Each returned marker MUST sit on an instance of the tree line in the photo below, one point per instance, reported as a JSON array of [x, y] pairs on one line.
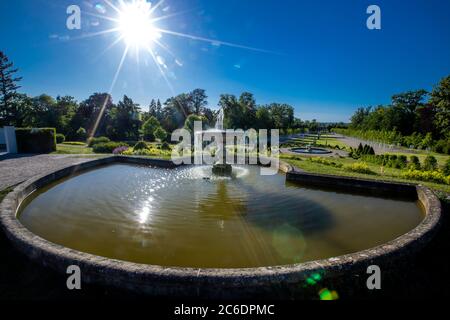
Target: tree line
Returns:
[[125, 120], [418, 119]]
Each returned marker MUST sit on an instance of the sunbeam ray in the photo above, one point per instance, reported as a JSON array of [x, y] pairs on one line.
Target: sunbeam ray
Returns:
[[212, 41]]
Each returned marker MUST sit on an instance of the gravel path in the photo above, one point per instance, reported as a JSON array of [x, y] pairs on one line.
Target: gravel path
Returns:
[[18, 168]]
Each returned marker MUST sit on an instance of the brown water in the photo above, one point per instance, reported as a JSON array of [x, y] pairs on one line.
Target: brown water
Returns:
[[176, 217]]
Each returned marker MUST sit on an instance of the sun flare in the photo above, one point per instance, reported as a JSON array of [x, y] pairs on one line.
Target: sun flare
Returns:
[[135, 24]]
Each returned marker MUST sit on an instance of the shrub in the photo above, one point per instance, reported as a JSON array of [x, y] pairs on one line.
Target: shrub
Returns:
[[106, 147], [42, 140], [149, 127], [60, 138], [160, 134], [326, 162], [359, 167], [430, 176], [414, 163], [120, 150], [141, 145], [442, 146], [93, 141], [446, 168], [165, 146], [430, 163], [81, 134]]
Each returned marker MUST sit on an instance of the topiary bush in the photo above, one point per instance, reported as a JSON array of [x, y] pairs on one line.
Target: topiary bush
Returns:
[[36, 140], [60, 138], [430, 163], [160, 134], [141, 145], [106, 147], [165, 146], [81, 134], [93, 141], [414, 163]]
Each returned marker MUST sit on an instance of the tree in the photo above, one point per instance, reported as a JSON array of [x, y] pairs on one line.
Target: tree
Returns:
[[8, 89], [125, 121], [359, 117], [93, 114], [160, 134], [440, 99], [199, 101], [189, 123], [149, 127]]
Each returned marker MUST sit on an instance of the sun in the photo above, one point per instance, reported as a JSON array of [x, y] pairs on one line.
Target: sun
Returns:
[[135, 24]]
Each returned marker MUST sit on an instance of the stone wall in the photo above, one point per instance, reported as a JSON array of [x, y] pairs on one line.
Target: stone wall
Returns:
[[277, 281]]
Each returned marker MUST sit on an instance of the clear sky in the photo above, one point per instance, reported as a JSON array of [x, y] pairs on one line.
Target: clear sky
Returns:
[[319, 55]]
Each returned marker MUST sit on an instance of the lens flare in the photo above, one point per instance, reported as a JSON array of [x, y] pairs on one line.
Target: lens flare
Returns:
[[135, 24]]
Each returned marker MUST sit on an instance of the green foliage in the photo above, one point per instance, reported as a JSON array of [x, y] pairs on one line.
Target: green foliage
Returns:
[[93, 141], [141, 145], [8, 88], [430, 163], [440, 99], [160, 134], [414, 163], [149, 127], [165, 146], [446, 169], [430, 176], [190, 122], [41, 140], [60, 138], [106, 147], [81, 134], [359, 167], [326, 162], [361, 151], [442, 146]]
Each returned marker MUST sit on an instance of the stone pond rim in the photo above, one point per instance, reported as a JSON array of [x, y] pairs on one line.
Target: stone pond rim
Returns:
[[217, 283]]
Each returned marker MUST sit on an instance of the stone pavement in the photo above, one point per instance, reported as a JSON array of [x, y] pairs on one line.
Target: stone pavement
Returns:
[[15, 169]]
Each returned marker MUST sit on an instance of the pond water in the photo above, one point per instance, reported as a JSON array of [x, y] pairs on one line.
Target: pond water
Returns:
[[183, 217]]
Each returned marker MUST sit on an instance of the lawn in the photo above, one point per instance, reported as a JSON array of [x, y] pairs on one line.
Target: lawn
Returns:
[[72, 149], [389, 174]]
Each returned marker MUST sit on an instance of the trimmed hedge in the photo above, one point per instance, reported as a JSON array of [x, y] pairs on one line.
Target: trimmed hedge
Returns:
[[36, 140], [94, 141], [60, 138], [106, 147]]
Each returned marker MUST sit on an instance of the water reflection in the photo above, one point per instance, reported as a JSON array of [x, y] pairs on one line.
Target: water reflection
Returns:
[[185, 217]]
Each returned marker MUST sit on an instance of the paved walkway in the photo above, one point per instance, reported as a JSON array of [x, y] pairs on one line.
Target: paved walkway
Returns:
[[18, 168]]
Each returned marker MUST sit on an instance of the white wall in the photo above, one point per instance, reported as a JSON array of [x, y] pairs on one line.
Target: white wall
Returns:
[[2, 136], [9, 135]]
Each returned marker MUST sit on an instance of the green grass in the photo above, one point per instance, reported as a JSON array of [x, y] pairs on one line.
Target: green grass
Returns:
[[441, 158], [72, 149], [389, 174]]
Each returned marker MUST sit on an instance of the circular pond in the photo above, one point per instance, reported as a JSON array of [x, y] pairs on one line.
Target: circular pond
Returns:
[[311, 150], [184, 217]]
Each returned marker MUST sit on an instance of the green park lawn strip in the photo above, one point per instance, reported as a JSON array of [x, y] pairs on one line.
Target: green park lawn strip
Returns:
[[389, 174], [72, 149]]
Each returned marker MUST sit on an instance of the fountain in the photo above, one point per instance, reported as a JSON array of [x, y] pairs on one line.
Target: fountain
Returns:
[[221, 167]]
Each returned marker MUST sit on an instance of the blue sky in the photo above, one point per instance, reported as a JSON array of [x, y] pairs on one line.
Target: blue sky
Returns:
[[322, 60]]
